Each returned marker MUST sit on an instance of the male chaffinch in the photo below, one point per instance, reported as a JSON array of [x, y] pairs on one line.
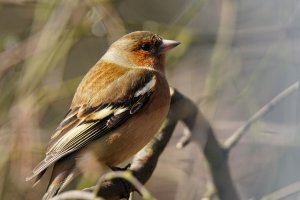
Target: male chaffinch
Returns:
[[118, 107]]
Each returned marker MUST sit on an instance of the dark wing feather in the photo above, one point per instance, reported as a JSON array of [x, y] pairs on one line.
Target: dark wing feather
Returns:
[[86, 124]]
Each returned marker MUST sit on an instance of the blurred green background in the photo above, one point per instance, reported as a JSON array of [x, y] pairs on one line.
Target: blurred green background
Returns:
[[235, 56]]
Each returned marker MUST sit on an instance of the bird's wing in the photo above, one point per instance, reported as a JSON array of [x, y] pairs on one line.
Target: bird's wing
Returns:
[[85, 123]]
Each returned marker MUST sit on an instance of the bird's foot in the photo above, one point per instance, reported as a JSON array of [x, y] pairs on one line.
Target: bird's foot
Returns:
[[113, 168]]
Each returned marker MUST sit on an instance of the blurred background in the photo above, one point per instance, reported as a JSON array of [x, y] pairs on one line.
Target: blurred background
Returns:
[[235, 56]]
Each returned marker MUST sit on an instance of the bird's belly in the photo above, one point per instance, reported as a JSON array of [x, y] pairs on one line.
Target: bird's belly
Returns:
[[128, 139]]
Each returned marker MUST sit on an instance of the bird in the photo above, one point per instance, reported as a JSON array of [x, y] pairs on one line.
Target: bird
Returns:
[[117, 108]]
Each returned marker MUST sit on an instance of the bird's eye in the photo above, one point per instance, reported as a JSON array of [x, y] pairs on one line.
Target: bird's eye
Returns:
[[146, 47]]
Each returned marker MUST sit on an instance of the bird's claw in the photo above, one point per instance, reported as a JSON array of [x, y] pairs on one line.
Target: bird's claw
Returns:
[[113, 168]]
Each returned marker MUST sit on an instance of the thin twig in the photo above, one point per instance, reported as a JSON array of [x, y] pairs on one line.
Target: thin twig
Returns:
[[284, 192], [236, 136], [204, 136], [210, 192], [185, 138]]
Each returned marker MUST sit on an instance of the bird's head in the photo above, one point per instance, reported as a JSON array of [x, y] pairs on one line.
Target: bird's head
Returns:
[[140, 49]]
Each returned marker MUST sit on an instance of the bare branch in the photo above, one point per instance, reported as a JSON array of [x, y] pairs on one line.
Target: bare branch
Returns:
[[236, 136], [284, 192], [185, 138], [216, 156]]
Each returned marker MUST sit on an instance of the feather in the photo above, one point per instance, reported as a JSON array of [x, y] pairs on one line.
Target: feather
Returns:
[[84, 124]]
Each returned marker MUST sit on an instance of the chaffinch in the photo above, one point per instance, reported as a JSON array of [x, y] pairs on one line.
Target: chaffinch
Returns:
[[118, 107]]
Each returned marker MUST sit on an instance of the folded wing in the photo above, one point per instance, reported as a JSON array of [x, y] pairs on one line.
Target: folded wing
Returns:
[[84, 124]]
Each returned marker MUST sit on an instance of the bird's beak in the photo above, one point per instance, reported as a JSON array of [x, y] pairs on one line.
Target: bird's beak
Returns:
[[167, 45]]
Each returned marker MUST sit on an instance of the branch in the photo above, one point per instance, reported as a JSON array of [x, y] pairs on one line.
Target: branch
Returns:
[[203, 134], [236, 136], [284, 192]]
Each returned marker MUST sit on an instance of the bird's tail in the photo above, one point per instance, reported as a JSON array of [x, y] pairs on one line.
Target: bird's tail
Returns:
[[62, 174]]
